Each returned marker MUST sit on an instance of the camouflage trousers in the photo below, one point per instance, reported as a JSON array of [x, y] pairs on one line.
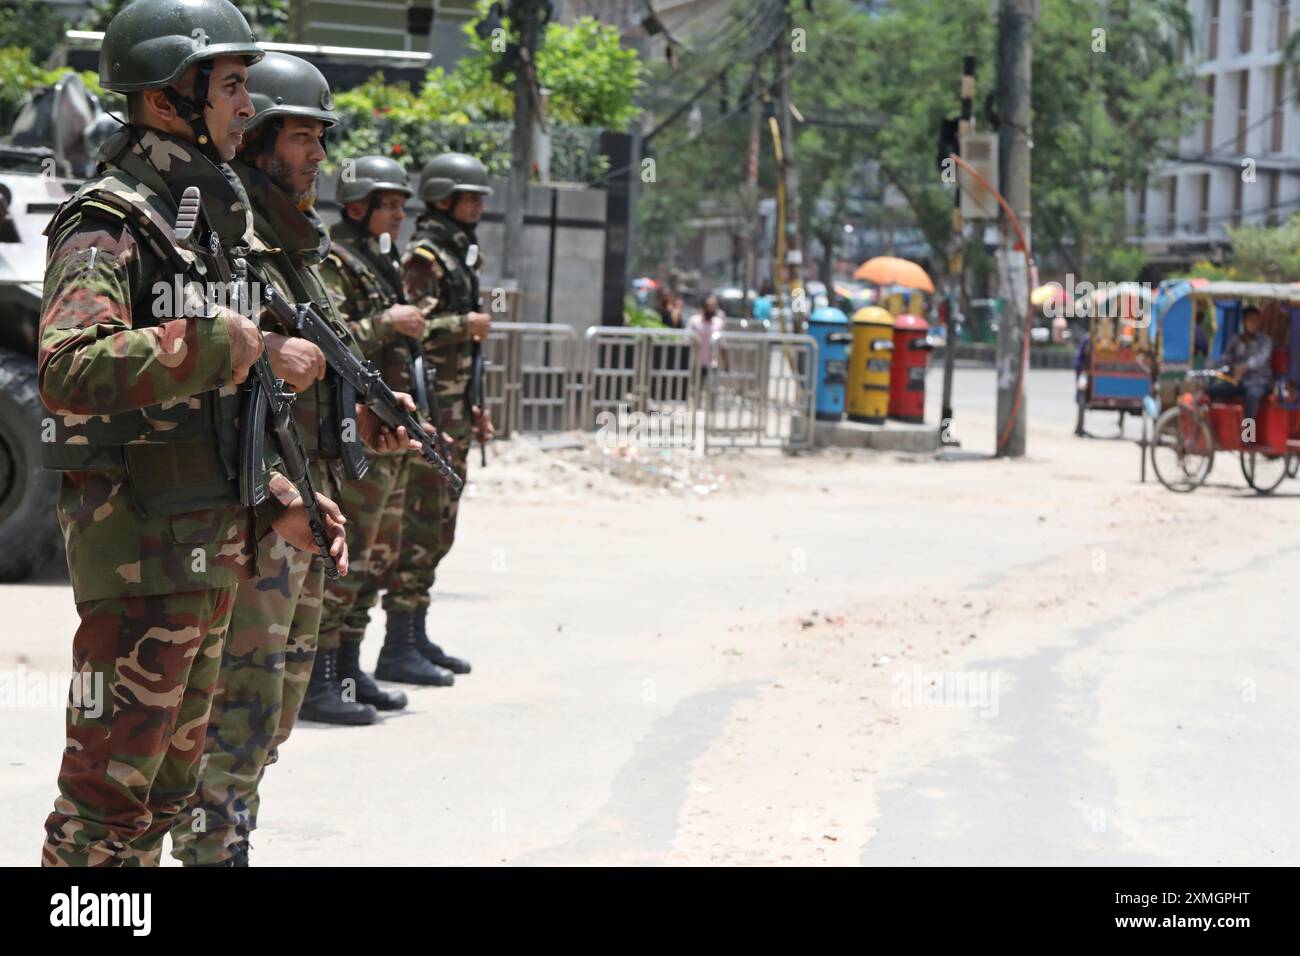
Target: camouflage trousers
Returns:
[[265, 666], [136, 717], [428, 527], [373, 507]]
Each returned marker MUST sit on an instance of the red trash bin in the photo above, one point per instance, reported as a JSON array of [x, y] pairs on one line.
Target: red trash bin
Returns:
[[907, 373]]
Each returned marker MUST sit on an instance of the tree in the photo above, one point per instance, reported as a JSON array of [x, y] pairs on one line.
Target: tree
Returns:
[[1109, 105], [878, 86], [1259, 254], [591, 78], [31, 25]]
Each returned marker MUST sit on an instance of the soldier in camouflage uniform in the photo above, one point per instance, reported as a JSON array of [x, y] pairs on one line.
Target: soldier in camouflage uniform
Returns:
[[141, 388], [442, 263], [271, 643], [362, 274]]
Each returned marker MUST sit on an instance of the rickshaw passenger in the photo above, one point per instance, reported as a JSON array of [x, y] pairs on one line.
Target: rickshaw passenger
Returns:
[[1249, 356]]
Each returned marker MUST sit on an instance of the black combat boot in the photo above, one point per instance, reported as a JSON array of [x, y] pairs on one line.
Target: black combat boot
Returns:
[[400, 661], [432, 652], [324, 700], [368, 692]]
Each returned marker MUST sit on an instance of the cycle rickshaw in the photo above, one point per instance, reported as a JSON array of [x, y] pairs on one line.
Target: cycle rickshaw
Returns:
[[1193, 427]]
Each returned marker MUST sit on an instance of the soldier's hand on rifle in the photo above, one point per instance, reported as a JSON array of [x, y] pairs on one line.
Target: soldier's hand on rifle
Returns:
[[479, 324], [406, 319], [484, 431], [378, 436], [245, 343], [294, 526], [297, 361]]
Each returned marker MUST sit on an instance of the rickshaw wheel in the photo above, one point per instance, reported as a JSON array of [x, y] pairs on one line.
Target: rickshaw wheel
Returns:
[[1264, 472], [1182, 449], [1292, 465]]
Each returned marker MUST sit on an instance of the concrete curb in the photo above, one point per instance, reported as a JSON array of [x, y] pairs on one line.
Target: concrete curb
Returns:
[[892, 436]]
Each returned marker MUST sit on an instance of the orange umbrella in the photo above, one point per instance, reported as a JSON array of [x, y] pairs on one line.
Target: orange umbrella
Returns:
[[888, 270]]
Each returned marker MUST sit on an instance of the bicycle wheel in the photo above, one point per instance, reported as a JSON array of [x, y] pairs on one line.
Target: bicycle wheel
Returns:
[[1263, 472], [1182, 449]]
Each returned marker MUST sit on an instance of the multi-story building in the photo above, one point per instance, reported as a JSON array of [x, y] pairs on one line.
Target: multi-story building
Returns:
[[417, 26], [1242, 163]]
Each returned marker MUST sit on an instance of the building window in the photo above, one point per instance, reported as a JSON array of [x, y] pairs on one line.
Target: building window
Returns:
[[1238, 199], [1283, 23], [1243, 113], [1209, 120], [1276, 140], [1273, 216], [1172, 221], [1142, 210], [1247, 25], [1203, 220], [1212, 23]]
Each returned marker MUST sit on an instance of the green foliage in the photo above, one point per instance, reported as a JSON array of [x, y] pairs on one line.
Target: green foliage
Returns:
[[35, 26], [639, 316], [876, 87], [1266, 254], [414, 127], [593, 80], [18, 76], [1102, 120]]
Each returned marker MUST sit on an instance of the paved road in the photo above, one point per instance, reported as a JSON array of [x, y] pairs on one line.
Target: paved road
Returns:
[[849, 659]]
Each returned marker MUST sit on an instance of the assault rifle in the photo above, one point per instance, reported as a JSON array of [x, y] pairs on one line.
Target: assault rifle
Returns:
[[267, 405], [361, 378]]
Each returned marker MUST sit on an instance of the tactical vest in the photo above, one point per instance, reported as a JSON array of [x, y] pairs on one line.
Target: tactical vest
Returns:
[[396, 358], [179, 456], [440, 238], [434, 236], [317, 411]]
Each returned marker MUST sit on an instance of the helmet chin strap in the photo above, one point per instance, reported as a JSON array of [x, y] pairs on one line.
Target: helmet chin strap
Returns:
[[190, 109]]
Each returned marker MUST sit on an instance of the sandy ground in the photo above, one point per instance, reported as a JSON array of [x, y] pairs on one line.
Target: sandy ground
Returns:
[[832, 658]]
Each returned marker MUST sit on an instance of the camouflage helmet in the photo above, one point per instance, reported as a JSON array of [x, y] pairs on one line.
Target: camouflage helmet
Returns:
[[358, 178], [149, 44], [451, 173], [284, 85]]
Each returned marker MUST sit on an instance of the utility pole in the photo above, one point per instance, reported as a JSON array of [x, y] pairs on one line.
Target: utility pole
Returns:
[[1015, 47], [751, 179], [965, 125], [792, 265], [527, 19]]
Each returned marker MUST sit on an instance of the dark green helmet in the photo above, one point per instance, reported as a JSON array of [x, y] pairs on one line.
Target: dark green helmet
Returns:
[[358, 178], [149, 44], [284, 85], [451, 173]]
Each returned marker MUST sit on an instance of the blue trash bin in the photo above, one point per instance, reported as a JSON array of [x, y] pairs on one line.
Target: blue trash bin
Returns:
[[830, 327]]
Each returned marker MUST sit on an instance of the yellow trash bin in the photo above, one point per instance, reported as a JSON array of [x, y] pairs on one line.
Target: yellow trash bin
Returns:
[[869, 362]]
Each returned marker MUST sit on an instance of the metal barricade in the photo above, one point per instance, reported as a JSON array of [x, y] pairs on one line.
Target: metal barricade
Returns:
[[761, 392], [529, 374], [647, 371]]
